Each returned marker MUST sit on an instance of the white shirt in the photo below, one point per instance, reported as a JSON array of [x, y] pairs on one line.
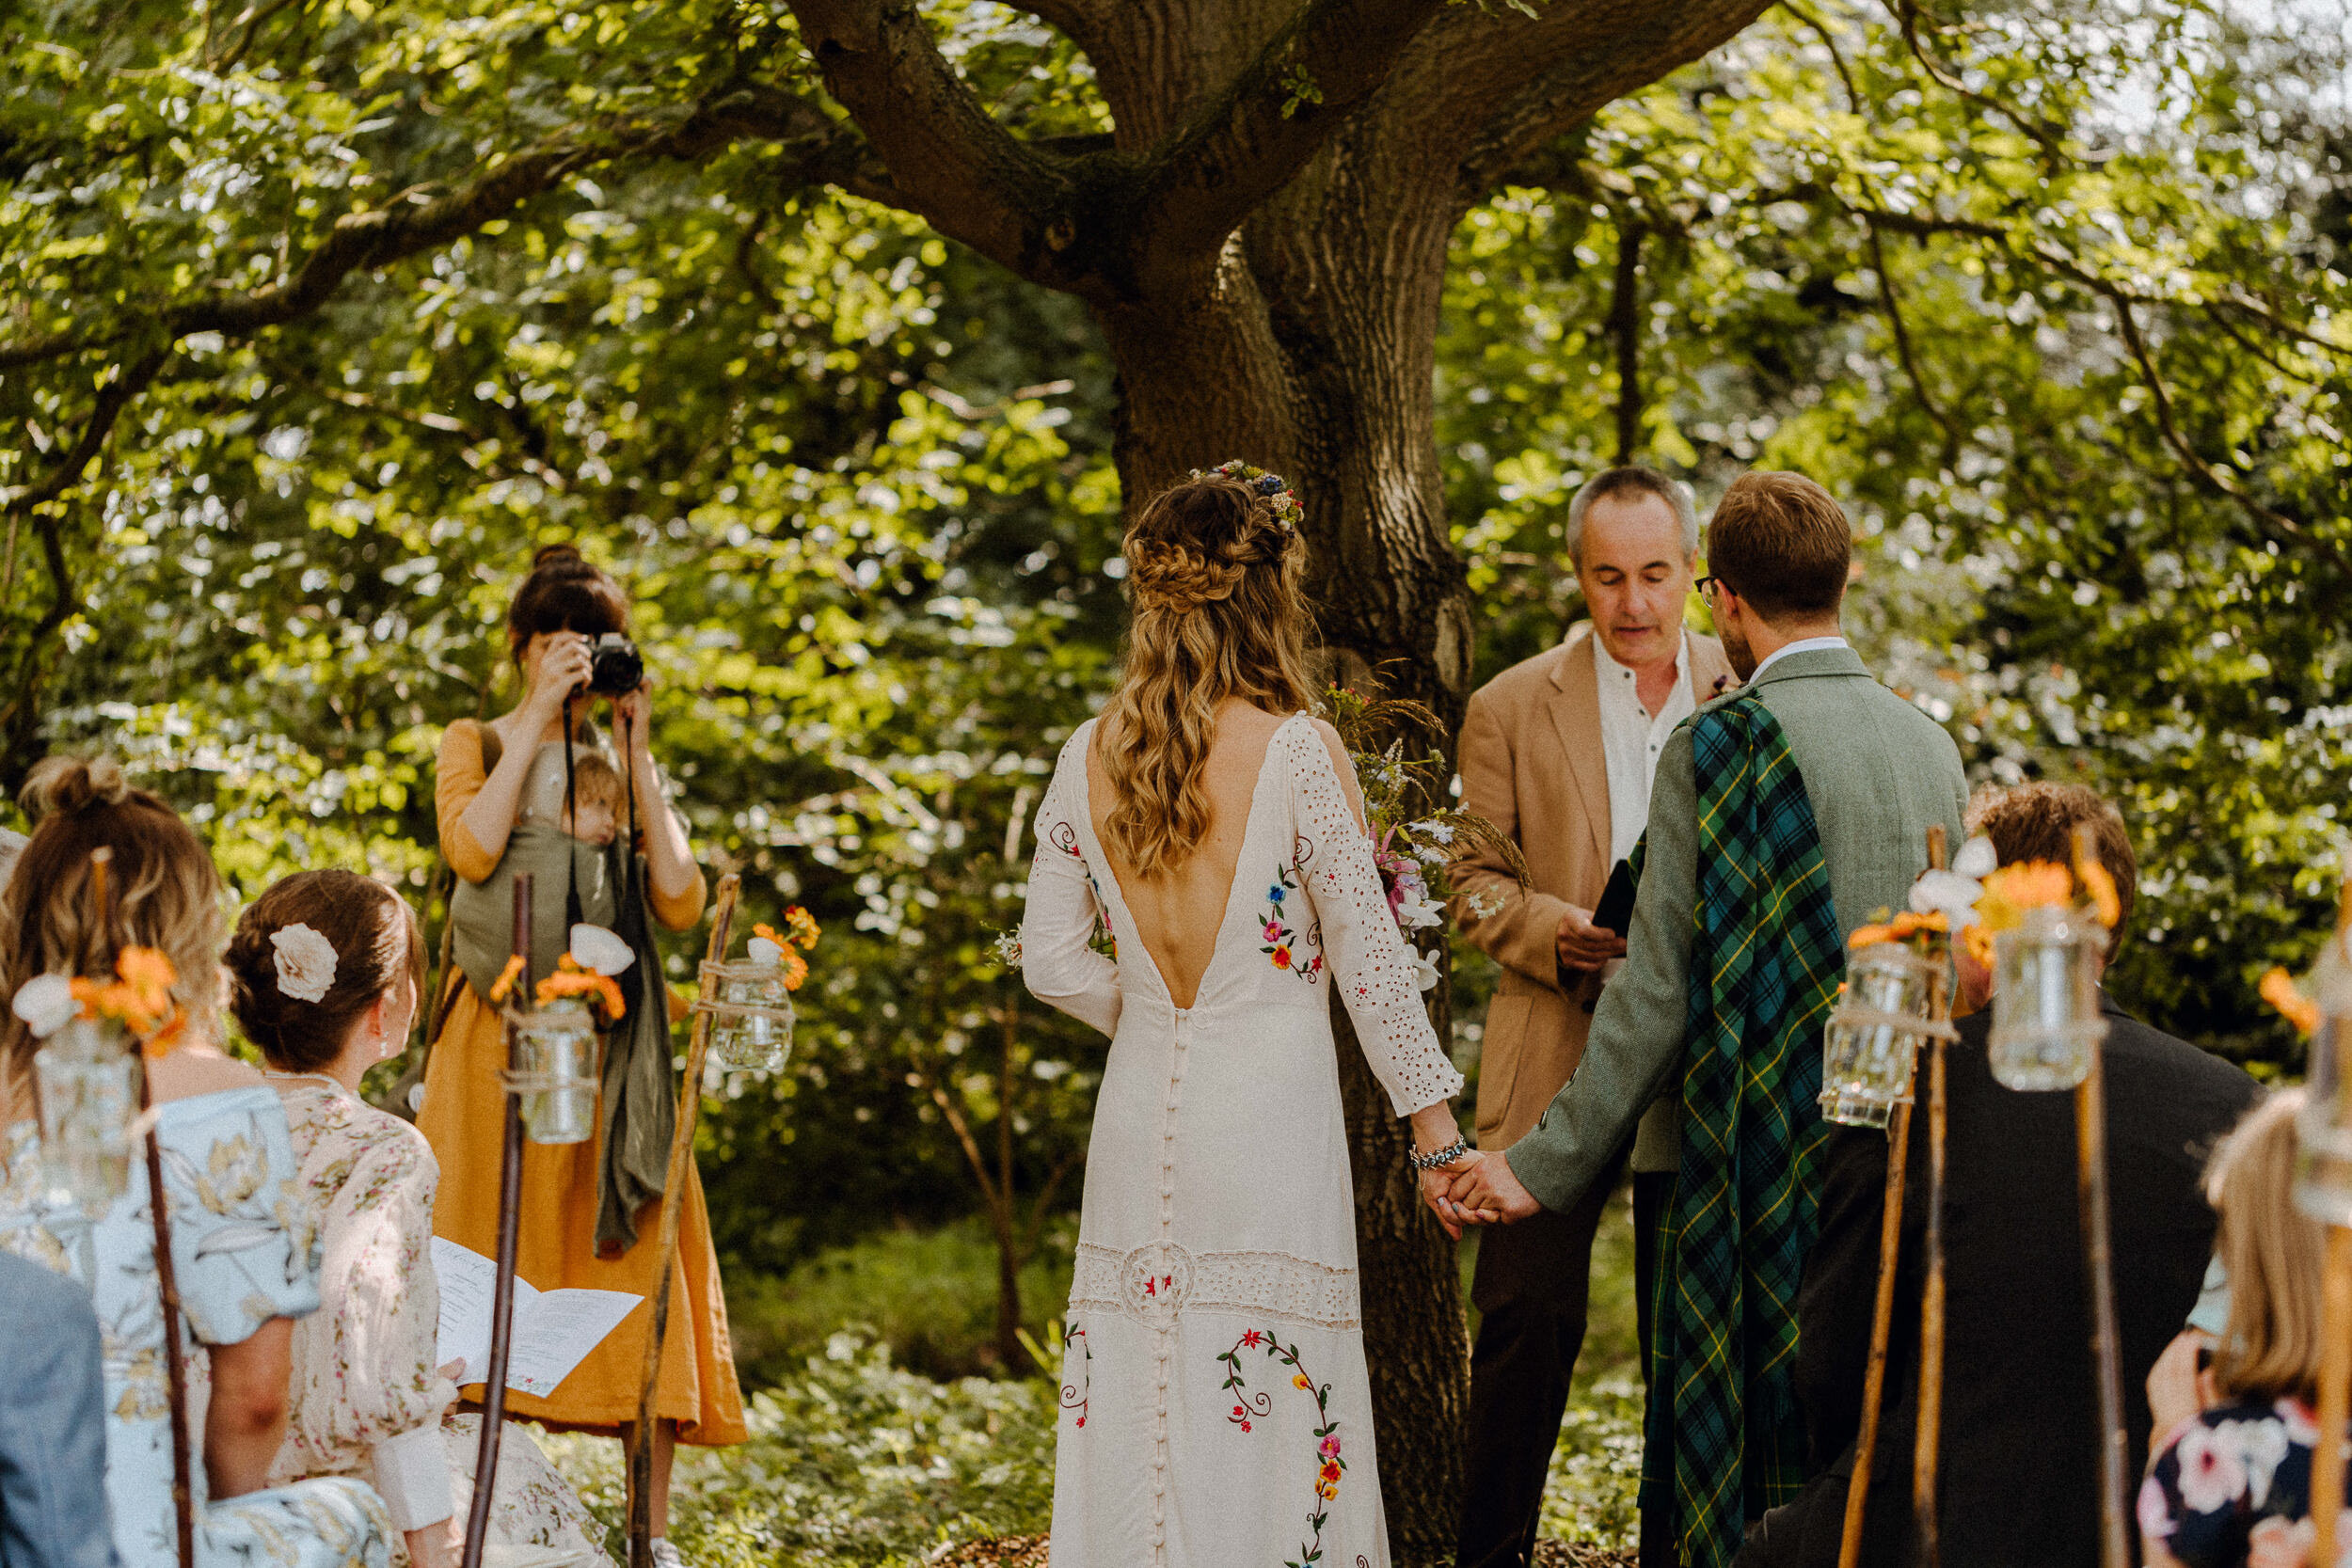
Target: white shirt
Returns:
[[1801, 645], [1631, 738]]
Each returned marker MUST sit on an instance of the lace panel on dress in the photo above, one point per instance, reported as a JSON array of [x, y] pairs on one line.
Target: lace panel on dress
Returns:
[[1155, 1283]]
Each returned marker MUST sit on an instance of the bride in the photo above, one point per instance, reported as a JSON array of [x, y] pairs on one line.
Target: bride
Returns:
[[1216, 1410]]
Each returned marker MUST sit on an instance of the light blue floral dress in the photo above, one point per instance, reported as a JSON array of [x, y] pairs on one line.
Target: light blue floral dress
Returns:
[[245, 1253]]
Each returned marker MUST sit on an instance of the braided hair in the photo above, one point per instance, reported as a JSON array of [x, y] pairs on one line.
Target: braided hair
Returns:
[[1218, 613]]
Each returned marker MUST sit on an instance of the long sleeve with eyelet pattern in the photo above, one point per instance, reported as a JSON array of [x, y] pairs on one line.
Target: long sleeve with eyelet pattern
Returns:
[[1370, 961], [1059, 963]]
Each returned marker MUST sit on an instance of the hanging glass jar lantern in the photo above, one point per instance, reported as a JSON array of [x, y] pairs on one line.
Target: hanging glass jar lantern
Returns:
[[750, 1003], [558, 1058], [2045, 999], [1884, 1015], [88, 1085]]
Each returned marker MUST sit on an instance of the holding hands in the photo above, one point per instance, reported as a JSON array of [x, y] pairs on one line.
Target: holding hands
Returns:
[[1472, 1188]]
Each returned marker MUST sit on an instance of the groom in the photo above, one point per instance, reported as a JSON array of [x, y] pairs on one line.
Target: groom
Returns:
[[1783, 816]]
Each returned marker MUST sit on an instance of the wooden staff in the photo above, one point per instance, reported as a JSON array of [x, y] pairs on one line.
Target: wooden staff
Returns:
[[486, 1464], [2335, 1320], [1928, 1447], [2090, 1138], [1890, 1256], [673, 1208], [1882, 1325], [167, 1272]]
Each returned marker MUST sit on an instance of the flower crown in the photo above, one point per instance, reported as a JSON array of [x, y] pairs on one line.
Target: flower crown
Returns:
[[1287, 512]]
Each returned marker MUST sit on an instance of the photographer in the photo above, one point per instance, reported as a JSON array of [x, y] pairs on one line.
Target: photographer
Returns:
[[504, 794]]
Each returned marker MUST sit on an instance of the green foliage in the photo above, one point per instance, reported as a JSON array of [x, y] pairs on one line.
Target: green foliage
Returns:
[[928, 1297], [852, 1461], [2072, 345]]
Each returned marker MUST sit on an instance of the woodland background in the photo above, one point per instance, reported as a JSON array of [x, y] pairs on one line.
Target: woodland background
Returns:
[[2051, 293]]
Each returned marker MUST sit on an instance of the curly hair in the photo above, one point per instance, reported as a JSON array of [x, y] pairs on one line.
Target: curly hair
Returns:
[[1217, 612], [376, 941], [164, 892]]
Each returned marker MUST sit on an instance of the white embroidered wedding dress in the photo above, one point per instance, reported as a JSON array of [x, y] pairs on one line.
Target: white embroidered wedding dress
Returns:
[[1215, 1412]]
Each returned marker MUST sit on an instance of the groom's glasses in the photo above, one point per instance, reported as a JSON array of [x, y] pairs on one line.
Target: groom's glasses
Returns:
[[1706, 585]]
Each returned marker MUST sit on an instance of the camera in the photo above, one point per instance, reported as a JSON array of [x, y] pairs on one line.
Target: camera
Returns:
[[615, 668]]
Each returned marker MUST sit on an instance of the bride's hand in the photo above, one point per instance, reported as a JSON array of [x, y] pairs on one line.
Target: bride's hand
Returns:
[[1434, 1185]]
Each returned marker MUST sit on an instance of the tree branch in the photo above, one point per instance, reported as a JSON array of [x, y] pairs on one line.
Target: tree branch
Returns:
[[949, 161], [1896, 325], [1275, 112], [20, 719], [411, 223], [1516, 83]]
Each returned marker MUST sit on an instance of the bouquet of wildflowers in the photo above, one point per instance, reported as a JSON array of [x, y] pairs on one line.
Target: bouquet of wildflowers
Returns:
[[1417, 832]]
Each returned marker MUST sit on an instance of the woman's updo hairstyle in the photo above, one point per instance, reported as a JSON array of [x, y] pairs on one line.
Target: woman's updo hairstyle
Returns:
[[376, 942], [565, 591], [1215, 572], [161, 891]]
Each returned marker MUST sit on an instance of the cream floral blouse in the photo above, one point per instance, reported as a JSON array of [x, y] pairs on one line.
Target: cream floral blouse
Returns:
[[368, 1396]]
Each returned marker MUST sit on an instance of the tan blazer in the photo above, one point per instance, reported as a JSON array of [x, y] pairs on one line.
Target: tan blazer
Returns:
[[1531, 764]]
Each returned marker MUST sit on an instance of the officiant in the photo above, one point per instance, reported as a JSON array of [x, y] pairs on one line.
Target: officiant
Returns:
[[591, 1211], [1785, 813], [1559, 751]]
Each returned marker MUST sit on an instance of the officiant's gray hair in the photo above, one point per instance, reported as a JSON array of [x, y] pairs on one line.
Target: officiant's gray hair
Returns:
[[1632, 480]]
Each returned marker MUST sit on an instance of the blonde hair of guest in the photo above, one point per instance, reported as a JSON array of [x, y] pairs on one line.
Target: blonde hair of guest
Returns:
[[2272, 1251]]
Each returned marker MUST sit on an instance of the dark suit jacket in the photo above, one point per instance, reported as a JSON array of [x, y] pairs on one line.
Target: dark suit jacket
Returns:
[[2018, 1479]]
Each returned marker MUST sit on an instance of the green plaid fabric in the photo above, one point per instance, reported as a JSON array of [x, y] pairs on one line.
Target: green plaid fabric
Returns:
[[1725, 1439]]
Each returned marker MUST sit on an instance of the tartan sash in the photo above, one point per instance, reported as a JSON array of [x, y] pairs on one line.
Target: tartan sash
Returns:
[[1725, 1439]]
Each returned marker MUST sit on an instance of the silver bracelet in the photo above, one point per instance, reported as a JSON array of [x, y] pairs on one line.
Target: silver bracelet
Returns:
[[1435, 1158]]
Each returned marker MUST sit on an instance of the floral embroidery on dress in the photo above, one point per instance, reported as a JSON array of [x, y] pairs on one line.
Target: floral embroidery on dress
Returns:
[[1074, 1396], [1252, 1407], [1281, 943]]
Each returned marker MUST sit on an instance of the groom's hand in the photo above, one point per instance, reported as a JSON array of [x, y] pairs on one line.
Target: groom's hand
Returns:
[[1489, 1188]]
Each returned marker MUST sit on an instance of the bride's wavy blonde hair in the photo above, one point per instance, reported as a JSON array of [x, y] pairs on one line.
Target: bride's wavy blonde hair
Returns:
[[1218, 613]]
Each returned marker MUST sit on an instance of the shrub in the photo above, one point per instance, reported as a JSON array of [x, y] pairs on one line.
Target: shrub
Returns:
[[929, 1295], [854, 1461]]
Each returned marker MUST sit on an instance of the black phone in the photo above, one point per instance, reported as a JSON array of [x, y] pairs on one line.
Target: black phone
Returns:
[[1616, 910]]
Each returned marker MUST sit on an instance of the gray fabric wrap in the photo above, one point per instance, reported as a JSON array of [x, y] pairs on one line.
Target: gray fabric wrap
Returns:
[[637, 1111]]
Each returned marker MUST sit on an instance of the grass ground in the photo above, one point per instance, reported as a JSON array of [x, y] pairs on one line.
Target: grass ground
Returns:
[[859, 1460]]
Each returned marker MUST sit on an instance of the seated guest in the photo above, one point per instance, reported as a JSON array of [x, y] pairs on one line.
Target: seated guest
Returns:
[[53, 1424], [2231, 1481], [2018, 1483], [325, 972], [242, 1252]]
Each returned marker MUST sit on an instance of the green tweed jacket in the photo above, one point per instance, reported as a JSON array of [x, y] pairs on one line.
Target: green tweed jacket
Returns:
[[1879, 772]]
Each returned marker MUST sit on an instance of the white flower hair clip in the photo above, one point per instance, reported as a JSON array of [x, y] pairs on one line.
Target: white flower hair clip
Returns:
[[305, 962]]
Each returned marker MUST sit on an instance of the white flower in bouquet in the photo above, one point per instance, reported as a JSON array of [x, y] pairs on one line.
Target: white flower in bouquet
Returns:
[[1425, 969], [46, 1005], [1418, 914], [599, 951], [1008, 949], [1433, 830]]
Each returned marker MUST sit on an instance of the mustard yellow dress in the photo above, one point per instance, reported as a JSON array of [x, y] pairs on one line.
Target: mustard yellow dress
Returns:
[[462, 1119]]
